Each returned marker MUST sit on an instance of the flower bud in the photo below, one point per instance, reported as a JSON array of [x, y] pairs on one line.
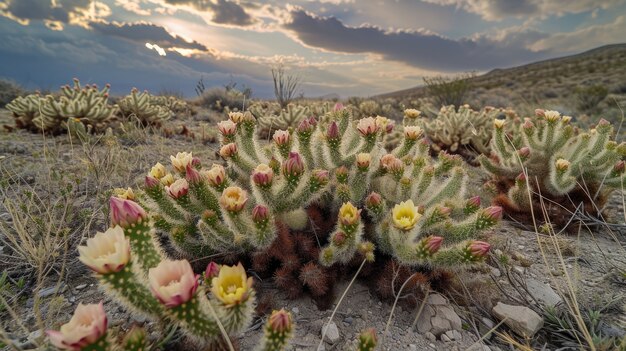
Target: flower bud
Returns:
[[281, 137], [305, 127], [125, 212], [412, 113], [236, 117], [233, 199], [212, 270], [363, 160], [386, 161], [263, 175], [478, 249], [178, 189], [498, 123], [432, 244], [320, 176], [333, 131], [342, 174], [619, 167], [151, 182], [228, 150], [552, 116], [338, 106], [126, 194], [524, 152], [192, 175], [562, 164], [260, 215], [539, 112], [339, 238], [280, 321], [493, 213], [293, 167], [373, 200], [168, 179]]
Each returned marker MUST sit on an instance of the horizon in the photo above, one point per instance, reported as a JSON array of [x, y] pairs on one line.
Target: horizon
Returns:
[[341, 47]]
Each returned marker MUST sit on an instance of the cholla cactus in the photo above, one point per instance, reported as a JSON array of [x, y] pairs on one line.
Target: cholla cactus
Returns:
[[282, 119], [278, 331], [25, 109], [130, 264], [552, 158], [466, 132], [367, 340], [172, 103], [369, 108], [87, 105], [143, 107]]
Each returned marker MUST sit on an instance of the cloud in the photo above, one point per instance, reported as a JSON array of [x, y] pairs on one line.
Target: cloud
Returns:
[[584, 38], [494, 10], [134, 7], [417, 48], [146, 33], [223, 11], [54, 13]]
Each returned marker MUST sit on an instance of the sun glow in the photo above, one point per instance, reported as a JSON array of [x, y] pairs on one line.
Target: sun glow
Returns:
[[156, 48]]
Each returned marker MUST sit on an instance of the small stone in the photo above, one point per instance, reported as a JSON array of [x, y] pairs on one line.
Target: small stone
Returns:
[[295, 310], [430, 336], [495, 272], [139, 319], [331, 332], [412, 347], [439, 325], [53, 290], [80, 287], [519, 269], [348, 320], [543, 293], [445, 338], [436, 299], [448, 313], [485, 327], [522, 320]]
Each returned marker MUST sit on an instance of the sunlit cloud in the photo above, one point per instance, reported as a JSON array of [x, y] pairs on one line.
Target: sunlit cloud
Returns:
[[156, 48]]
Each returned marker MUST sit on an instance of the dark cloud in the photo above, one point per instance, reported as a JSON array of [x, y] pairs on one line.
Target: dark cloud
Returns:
[[224, 11], [419, 49], [44, 9], [145, 32]]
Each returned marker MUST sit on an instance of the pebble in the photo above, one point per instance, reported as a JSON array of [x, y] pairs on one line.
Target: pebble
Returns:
[[348, 320], [80, 287], [53, 290], [430, 336], [521, 319], [295, 310], [332, 333]]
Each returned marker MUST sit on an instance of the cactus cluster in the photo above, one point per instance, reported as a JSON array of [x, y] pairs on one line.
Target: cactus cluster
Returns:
[[277, 203], [548, 156], [463, 131], [148, 109], [85, 104], [130, 264], [172, 103]]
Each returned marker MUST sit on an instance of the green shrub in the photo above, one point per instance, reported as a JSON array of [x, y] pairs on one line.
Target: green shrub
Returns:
[[9, 90], [449, 90], [590, 97]]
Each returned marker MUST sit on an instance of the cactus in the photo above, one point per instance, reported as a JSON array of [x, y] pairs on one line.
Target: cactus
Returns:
[[466, 132], [143, 107], [367, 340], [262, 203], [549, 156], [278, 330], [284, 119], [369, 108], [172, 103], [87, 105]]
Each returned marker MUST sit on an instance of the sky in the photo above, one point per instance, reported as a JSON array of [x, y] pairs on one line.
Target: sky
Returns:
[[345, 47]]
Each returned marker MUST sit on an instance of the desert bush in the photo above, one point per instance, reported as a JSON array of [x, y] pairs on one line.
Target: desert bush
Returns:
[[9, 91], [449, 91], [147, 109], [286, 85], [590, 97], [221, 99]]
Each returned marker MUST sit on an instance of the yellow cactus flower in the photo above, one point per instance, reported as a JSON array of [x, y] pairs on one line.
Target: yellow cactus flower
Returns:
[[126, 194], [181, 160], [498, 123], [405, 215], [348, 214], [158, 171], [231, 286], [412, 113]]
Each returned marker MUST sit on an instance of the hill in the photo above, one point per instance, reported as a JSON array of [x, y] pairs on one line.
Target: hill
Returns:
[[550, 82]]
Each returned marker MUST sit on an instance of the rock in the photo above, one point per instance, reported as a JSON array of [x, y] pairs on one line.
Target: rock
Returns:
[[436, 299], [53, 290], [543, 293], [495, 272], [295, 310], [448, 313], [439, 325], [479, 347], [430, 336], [412, 347], [519, 269], [80, 287], [453, 335], [331, 332], [522, 320], [348, 320], [445, 338], [484, 328]]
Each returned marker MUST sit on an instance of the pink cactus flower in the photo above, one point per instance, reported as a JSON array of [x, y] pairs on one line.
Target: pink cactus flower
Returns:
[[173, 282], [125, 212], [87, 326]]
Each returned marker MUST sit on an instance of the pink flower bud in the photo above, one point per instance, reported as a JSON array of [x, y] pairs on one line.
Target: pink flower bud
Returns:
[[305, 126], [342, 174], [178, 189], [386, 161], [212, 270], [389, 127], [312, 121], [493, 212], [373, 200], [521, 178], [432, 244], [474, 201], [151, 182], [339, 238], [125, 212], [478, 249], [281, 137], [228, 150], [333, 131], [338, 106], [540, 112], [280, 321], [260, 214], [523, 152], [528, 124], [444, 211], [293, 167], [192, 175], [619, 167], [321, 176], [263, 175]]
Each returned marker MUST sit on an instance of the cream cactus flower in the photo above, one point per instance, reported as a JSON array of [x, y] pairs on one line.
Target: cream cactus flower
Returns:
[[562, 164], [405, 215], [168, 179], [349, 214], [498, 123], [179, 188], [231, 286], [552, 116], [227, 127], [233, 199], [363, 160], [158, 171], [367, 126], [88, 325], [412, 132], [236, 117], [107, 252], [173, 282], [181, 160], [412, 113]]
